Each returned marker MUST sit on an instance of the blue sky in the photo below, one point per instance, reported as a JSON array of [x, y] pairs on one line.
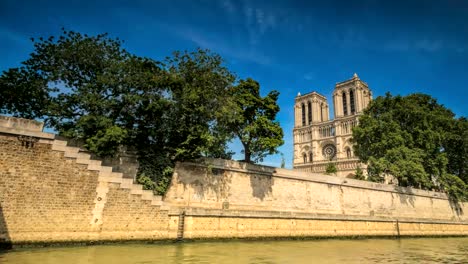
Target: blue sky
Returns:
[[291, 46]]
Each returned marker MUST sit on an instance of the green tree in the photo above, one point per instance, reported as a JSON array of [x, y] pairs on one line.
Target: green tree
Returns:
[[253, 120], [199, 86], [23, 95], [331, 168], [413, 139], [456, 147], [359, 174], [90, 88]]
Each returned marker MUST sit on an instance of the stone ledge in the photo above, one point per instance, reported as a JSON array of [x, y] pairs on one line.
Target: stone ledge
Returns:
[[21, 124], [201, 212], [23, 132]]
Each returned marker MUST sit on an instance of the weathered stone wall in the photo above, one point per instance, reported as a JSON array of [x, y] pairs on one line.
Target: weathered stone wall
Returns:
[[42, 193], [251, 227], [231, 199], [51, 192], [240, 186]]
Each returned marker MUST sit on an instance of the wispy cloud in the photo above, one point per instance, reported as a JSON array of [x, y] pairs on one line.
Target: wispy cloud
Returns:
[[220, 46], [423, 44], [258, 21], [228, 45]]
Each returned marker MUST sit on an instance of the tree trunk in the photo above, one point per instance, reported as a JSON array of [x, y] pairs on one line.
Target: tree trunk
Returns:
[[247, 155]]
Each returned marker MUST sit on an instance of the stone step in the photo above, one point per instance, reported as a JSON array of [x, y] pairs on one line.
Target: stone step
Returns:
[[115, 177], [126, 183], [89, 162], [137, 186], [83, 155], [136, 190], [110, 174], [110, 179], [97, 167], [59, 147], [60, 142], [147, 195], [72, 150], [69, 154], [105, 169]]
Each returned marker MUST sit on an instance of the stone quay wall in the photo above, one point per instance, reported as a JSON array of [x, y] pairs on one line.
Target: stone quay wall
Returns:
[[225, 199], [54, 193]]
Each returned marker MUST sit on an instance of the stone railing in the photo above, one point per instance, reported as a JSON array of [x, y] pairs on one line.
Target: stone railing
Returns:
[[320, 166]]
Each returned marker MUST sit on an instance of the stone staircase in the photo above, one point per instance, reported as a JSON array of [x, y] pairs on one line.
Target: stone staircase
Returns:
[[106, 174]]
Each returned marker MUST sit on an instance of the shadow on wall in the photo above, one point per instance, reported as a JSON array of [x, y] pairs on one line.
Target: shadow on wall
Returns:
[[5, 242], [456, 207], [406, 195], [262, 185], [208, 184]]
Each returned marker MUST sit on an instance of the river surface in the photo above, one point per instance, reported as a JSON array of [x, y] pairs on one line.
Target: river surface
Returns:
[[417, 250]]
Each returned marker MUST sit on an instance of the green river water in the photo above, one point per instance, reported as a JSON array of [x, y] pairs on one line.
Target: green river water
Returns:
[[414, 250]]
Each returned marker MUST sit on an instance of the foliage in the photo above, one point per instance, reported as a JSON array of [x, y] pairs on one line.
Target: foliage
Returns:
[[456, 148], [331, 168], [359, 174], [199, 85], [253, 120], [416, 140], [90, 88], [22, 95], [454, 186]]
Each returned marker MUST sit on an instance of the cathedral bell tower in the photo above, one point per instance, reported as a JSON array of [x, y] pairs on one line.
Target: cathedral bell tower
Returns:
[[351, 97]]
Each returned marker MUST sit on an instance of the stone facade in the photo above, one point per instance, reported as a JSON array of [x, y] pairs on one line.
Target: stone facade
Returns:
[[51, 192], [319, 140]]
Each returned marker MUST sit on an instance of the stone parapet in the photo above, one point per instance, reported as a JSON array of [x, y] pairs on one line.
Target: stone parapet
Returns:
[[23, 127]]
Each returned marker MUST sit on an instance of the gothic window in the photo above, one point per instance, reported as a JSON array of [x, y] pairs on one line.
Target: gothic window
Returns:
[[303, 115], [348, 152], [310, 157], [321, 112], [305, 157], [351, 101], [309, 109], [345, 104]]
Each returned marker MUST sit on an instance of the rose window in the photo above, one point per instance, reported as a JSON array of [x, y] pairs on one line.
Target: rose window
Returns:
[[329, 151]]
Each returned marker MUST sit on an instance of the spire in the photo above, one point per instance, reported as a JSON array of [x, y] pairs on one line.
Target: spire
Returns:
[[299, 94], [355, 75]]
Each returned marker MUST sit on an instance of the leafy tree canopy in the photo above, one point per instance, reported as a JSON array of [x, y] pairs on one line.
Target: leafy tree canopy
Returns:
[[90, 88], [253, 120], [415, 139]]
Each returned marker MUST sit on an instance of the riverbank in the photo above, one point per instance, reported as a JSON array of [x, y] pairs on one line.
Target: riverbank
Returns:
[[412, 250]]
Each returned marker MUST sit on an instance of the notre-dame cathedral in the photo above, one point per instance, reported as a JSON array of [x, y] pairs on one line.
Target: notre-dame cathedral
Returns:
[[319, 140]]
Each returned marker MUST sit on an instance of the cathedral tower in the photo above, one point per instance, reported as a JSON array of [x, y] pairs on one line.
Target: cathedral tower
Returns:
[[319, 140]]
